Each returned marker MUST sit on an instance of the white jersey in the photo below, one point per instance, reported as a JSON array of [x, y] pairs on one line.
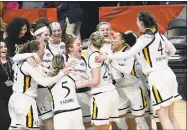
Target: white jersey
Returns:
[[50, 51], [26, 79], [24, 83], [80, 68], [64, 95], [126, 70], [152, 50], [105, 77]]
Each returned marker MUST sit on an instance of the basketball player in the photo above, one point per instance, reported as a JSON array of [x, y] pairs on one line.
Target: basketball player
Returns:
[[23, 110], [79, 68], [154, 50], [130, 88], [104, 104], [66, 104]]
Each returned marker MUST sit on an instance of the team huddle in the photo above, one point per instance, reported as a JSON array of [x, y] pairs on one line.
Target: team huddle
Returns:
[[121, 76]]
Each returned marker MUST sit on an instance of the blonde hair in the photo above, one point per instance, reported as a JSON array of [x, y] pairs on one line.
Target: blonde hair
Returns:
[[101, 23], [97, 39]]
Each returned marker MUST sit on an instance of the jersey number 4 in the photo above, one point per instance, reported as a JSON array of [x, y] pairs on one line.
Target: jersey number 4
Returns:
[[160, 48]]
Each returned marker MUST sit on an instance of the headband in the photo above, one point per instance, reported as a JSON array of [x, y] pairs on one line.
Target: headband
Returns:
[[40, 30], [55, 25]]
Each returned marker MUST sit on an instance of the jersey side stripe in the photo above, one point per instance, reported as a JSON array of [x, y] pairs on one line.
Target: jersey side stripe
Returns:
[[29, 118], [95, 109], [27, 83], [147, 56], [143, 98], [156, 94]]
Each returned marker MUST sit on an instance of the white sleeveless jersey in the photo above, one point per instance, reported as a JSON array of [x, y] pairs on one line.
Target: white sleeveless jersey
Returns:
[[151, 51], [64, 94], [51, 51], [126, 69], [154, 56], [24, 83], [80, 68], [105, 77]]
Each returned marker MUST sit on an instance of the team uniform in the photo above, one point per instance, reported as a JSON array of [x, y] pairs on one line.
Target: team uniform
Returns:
[[43, 99], [129, 86], [149, 110], [83, 94], [23, 110], [104, 103], [66, 105], [153, 51]]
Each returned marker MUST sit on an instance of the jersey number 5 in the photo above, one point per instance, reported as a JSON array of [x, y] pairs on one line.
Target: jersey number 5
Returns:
[[65, 87], [160, 48]]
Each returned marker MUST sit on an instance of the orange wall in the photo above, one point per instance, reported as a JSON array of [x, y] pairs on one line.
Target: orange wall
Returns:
[[123, 18], [30, 14]]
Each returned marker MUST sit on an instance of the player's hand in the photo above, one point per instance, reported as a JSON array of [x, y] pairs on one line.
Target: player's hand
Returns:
[[100, 58], [37, 59]]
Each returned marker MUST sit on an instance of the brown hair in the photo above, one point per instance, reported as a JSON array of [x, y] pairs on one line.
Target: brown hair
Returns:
[[70, 41]]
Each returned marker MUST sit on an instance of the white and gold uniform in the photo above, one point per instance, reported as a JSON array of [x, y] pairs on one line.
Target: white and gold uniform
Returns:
[[104, 104], [43, 99], [23, 110], [153, 51], [66, 105], [129, 86], [83, 94]]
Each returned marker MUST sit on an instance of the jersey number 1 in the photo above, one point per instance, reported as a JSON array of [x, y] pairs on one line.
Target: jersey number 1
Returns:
[[160, 48]]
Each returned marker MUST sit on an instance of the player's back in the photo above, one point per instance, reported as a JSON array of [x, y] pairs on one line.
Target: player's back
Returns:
[[64, 95], [24, 83], [154, 55]]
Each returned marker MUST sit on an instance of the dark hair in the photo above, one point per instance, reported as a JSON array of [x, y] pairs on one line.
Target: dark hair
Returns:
[[13, 30], [42, 20], [70, 41], [36, 26], [148, 20], [30, 47], [129, 37]]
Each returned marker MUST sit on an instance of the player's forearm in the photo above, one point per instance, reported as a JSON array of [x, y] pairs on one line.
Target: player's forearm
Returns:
[[91, 83], [20, 57], [122, 69]]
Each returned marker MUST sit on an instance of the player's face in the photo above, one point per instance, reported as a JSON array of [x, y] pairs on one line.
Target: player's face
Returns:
[[41, 51], [3, 49], [139, 24], [77, 48], [23, 31], [56, 34], [105, 29], [44, 36], [116, 42]]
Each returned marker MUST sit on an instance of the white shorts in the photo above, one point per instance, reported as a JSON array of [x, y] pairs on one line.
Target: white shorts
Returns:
[[23, 112], [104, 107], [164, 88], [136, 97], [70, 120], [149, 110], [84, 98], [44, 103]]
